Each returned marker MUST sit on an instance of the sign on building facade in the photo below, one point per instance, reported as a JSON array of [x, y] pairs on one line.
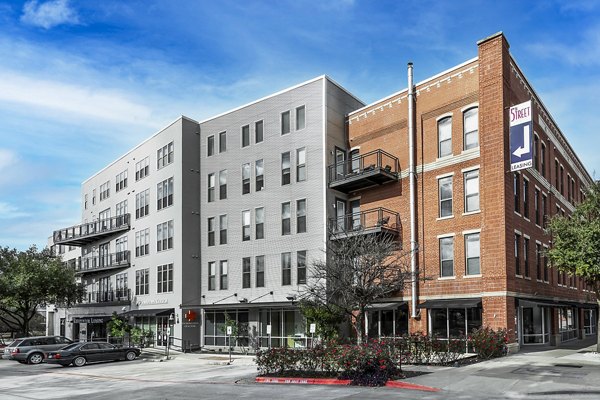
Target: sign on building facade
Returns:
[[521, 136]]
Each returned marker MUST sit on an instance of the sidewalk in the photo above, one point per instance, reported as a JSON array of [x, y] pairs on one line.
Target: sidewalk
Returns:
[[206, 358]]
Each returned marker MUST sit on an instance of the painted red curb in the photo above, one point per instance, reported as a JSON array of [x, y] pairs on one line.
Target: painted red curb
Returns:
[[410, 386], [344, 382]]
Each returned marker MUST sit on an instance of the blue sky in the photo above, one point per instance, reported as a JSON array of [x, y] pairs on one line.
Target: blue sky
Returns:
[[81, 82]]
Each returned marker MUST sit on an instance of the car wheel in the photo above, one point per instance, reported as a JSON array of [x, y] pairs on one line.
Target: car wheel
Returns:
[[35, 358], [79, 361], [130, 356]]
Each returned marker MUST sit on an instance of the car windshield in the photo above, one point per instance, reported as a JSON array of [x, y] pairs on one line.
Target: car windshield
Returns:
[[71, 346]]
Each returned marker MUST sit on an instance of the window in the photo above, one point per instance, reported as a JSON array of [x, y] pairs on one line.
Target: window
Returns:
[[211, 275], [569, 189], [536, 206], [472, 191], [472, 251], [245, 225], [164, 236], [544, 209], [536, 155], [142, 169], [545, 262], [556, 185], [301, 165], [246, 272], [122, 286], [300, 118], [471, 128], [525, 198], [121, 208], [285, 122], [260, 177], [105, 190], [445, 194], [93, 196], [526, 256], [164, 278], [543, 160], [223, 275], [246, 178], [211, 188], [222, 142], [104, 215], [85, 202], [301, 267], [260, 271], [142, 203], [517, 191], [121, 181], [142, 242], [223, 229], [562, 180], [121, 247], [447, 256], [142, 281], [164, 194], [286, 269], [210, 146], [164, 156], [285, 168], [259, 221], [517, 260], [245, 135], [258, 131], [301, 216], [285, 218], [211, 231], [538, 261], [445, 137], [223, 184]]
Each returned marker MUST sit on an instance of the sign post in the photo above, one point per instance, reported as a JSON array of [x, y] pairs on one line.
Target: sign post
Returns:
[[313, 329], [229, 331], [521, 136], [269, 334]]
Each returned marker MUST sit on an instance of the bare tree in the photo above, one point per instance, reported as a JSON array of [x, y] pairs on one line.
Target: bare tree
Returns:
[[359, 268]]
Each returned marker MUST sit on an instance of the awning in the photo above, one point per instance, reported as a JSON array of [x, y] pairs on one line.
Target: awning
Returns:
[[452, 303], [558, 303], [150, 312], [385, 306], [96, 319]]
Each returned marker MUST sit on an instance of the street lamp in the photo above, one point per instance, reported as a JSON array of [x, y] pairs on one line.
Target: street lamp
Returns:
[[170, 333]]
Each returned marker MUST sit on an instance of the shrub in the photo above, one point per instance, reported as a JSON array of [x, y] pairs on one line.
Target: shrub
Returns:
[[370, 364], [489, 343]]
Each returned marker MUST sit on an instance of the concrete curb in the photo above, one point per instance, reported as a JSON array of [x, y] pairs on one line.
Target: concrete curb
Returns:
[[342, 382]]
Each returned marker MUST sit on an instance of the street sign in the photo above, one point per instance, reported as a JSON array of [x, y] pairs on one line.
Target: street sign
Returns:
[[313, 328], [521, 136], [268, 329], [229, 330]]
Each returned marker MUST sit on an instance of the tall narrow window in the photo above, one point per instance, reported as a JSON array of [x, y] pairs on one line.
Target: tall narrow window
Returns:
[[538, 261], [142, 242], [222, 142], [258, 131], [260, 175], [121, 181], [212, 273], [245, 135], [471, 128], [164, 155], [260, 271], [142, 169], [285, 122], [286, 269], [543, 160], [142, 203], [472, 191], [301, 216], [285, 168], [447, 256], [517, 191], [211, 188], [472, 252], [285, 218], [142, 281], [259, 221], [544, 209], [246, 274], [517, 259], [536, 155], [445, 137], [300, 117], [562, 180], [105, 190], [525, 198], [301, 165], [211, 231], [210, 145], [246, 178], [526, 256], [223, 184], [545, 262], [536, 206], [164, 194], [301, 269], [223, 272], [164, 236], [223, 229], [164, 278], [245, 225], [445, 195]]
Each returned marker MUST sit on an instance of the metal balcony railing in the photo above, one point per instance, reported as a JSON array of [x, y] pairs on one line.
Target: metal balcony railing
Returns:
[[83, 234], [376, 220], [118, 296], [374, 168], [99, 263]]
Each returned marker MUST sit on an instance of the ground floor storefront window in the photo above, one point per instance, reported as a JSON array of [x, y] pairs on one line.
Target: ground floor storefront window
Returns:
[[282, 328], [215, 327], [589, 322], [567, 323], [388, 322], [453, 322], [536, 324]]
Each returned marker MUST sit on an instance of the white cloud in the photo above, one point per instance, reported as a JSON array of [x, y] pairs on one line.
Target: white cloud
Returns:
[[8, 211], [49, 14], [7, 160], [585, 53]]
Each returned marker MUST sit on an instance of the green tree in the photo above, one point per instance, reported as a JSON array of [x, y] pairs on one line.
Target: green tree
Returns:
[[31, 279], [326, 319], [576, 243]]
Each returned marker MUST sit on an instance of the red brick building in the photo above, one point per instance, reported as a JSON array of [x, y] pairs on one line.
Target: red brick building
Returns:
[[479, 226]]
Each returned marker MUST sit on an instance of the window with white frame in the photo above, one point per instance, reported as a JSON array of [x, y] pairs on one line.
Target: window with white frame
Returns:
[[245, 225], [142, 169], [211, 231], [301, 267], [142, 242], [301, 165], [285, 168], [164, 278], [472, 254], [223, 229], [259, 221], [445, 195], [246, 273], [447, 256], [472, 191], [245, 135], [260, 177], [164, 236], [222, 142], [471, 128], [121, 208], [93, 196], [121, 286], [246, 178], [212, 275], [286, 269], [223, 273], [121, 248], [286, 218], [104, 215], [85, 201], [164, 155], [211, 187], [301, 216], [142, 281], [258, 131], [223, 184], [445, 137], [300, 118], [260, 271], [164, 194], [142, 204], [121, 181], [210, 146], [285, 122], [105, 190]]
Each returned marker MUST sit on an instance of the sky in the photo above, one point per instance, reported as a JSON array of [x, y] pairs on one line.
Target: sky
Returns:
[[82, 82]]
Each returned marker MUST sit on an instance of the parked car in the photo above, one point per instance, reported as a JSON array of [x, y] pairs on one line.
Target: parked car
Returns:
[[82, 353], [33, 350]]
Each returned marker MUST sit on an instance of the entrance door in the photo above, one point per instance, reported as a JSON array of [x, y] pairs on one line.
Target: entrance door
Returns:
[[162, 331], [355, 210], [340, 163], [340, 213], [104, 253]]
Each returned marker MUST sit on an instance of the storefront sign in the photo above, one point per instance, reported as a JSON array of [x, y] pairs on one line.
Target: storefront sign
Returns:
[[89, 320], [521, 136], [146, 302]]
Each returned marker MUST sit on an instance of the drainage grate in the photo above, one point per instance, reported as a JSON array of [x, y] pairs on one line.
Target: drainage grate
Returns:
[[568, 365]]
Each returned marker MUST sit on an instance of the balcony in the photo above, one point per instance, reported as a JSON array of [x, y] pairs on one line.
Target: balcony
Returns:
[[107, 298], [95, 264], [374, 221], [90, 232], [371, 169]]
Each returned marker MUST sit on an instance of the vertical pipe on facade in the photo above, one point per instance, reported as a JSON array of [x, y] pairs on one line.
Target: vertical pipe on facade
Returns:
[[412, 189]]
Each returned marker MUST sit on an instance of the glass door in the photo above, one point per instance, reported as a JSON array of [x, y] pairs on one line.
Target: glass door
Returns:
[[340, 213], [355, 210]]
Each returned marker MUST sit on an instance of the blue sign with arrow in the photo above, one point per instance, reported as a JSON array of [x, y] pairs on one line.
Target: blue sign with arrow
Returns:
[[521, 137]]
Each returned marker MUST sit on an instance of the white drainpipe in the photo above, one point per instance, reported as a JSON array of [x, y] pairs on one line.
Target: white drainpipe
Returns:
[[412, 179]]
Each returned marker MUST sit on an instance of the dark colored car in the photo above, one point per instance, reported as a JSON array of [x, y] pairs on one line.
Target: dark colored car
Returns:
[[82, 353], [33, 350]]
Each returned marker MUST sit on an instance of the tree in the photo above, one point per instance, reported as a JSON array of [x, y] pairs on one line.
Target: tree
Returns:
[[30, 279], [576, 243], [357, 270], [326, 319]]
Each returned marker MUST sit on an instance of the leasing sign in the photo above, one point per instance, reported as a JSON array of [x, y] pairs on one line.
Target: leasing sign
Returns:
[[521, 130]]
